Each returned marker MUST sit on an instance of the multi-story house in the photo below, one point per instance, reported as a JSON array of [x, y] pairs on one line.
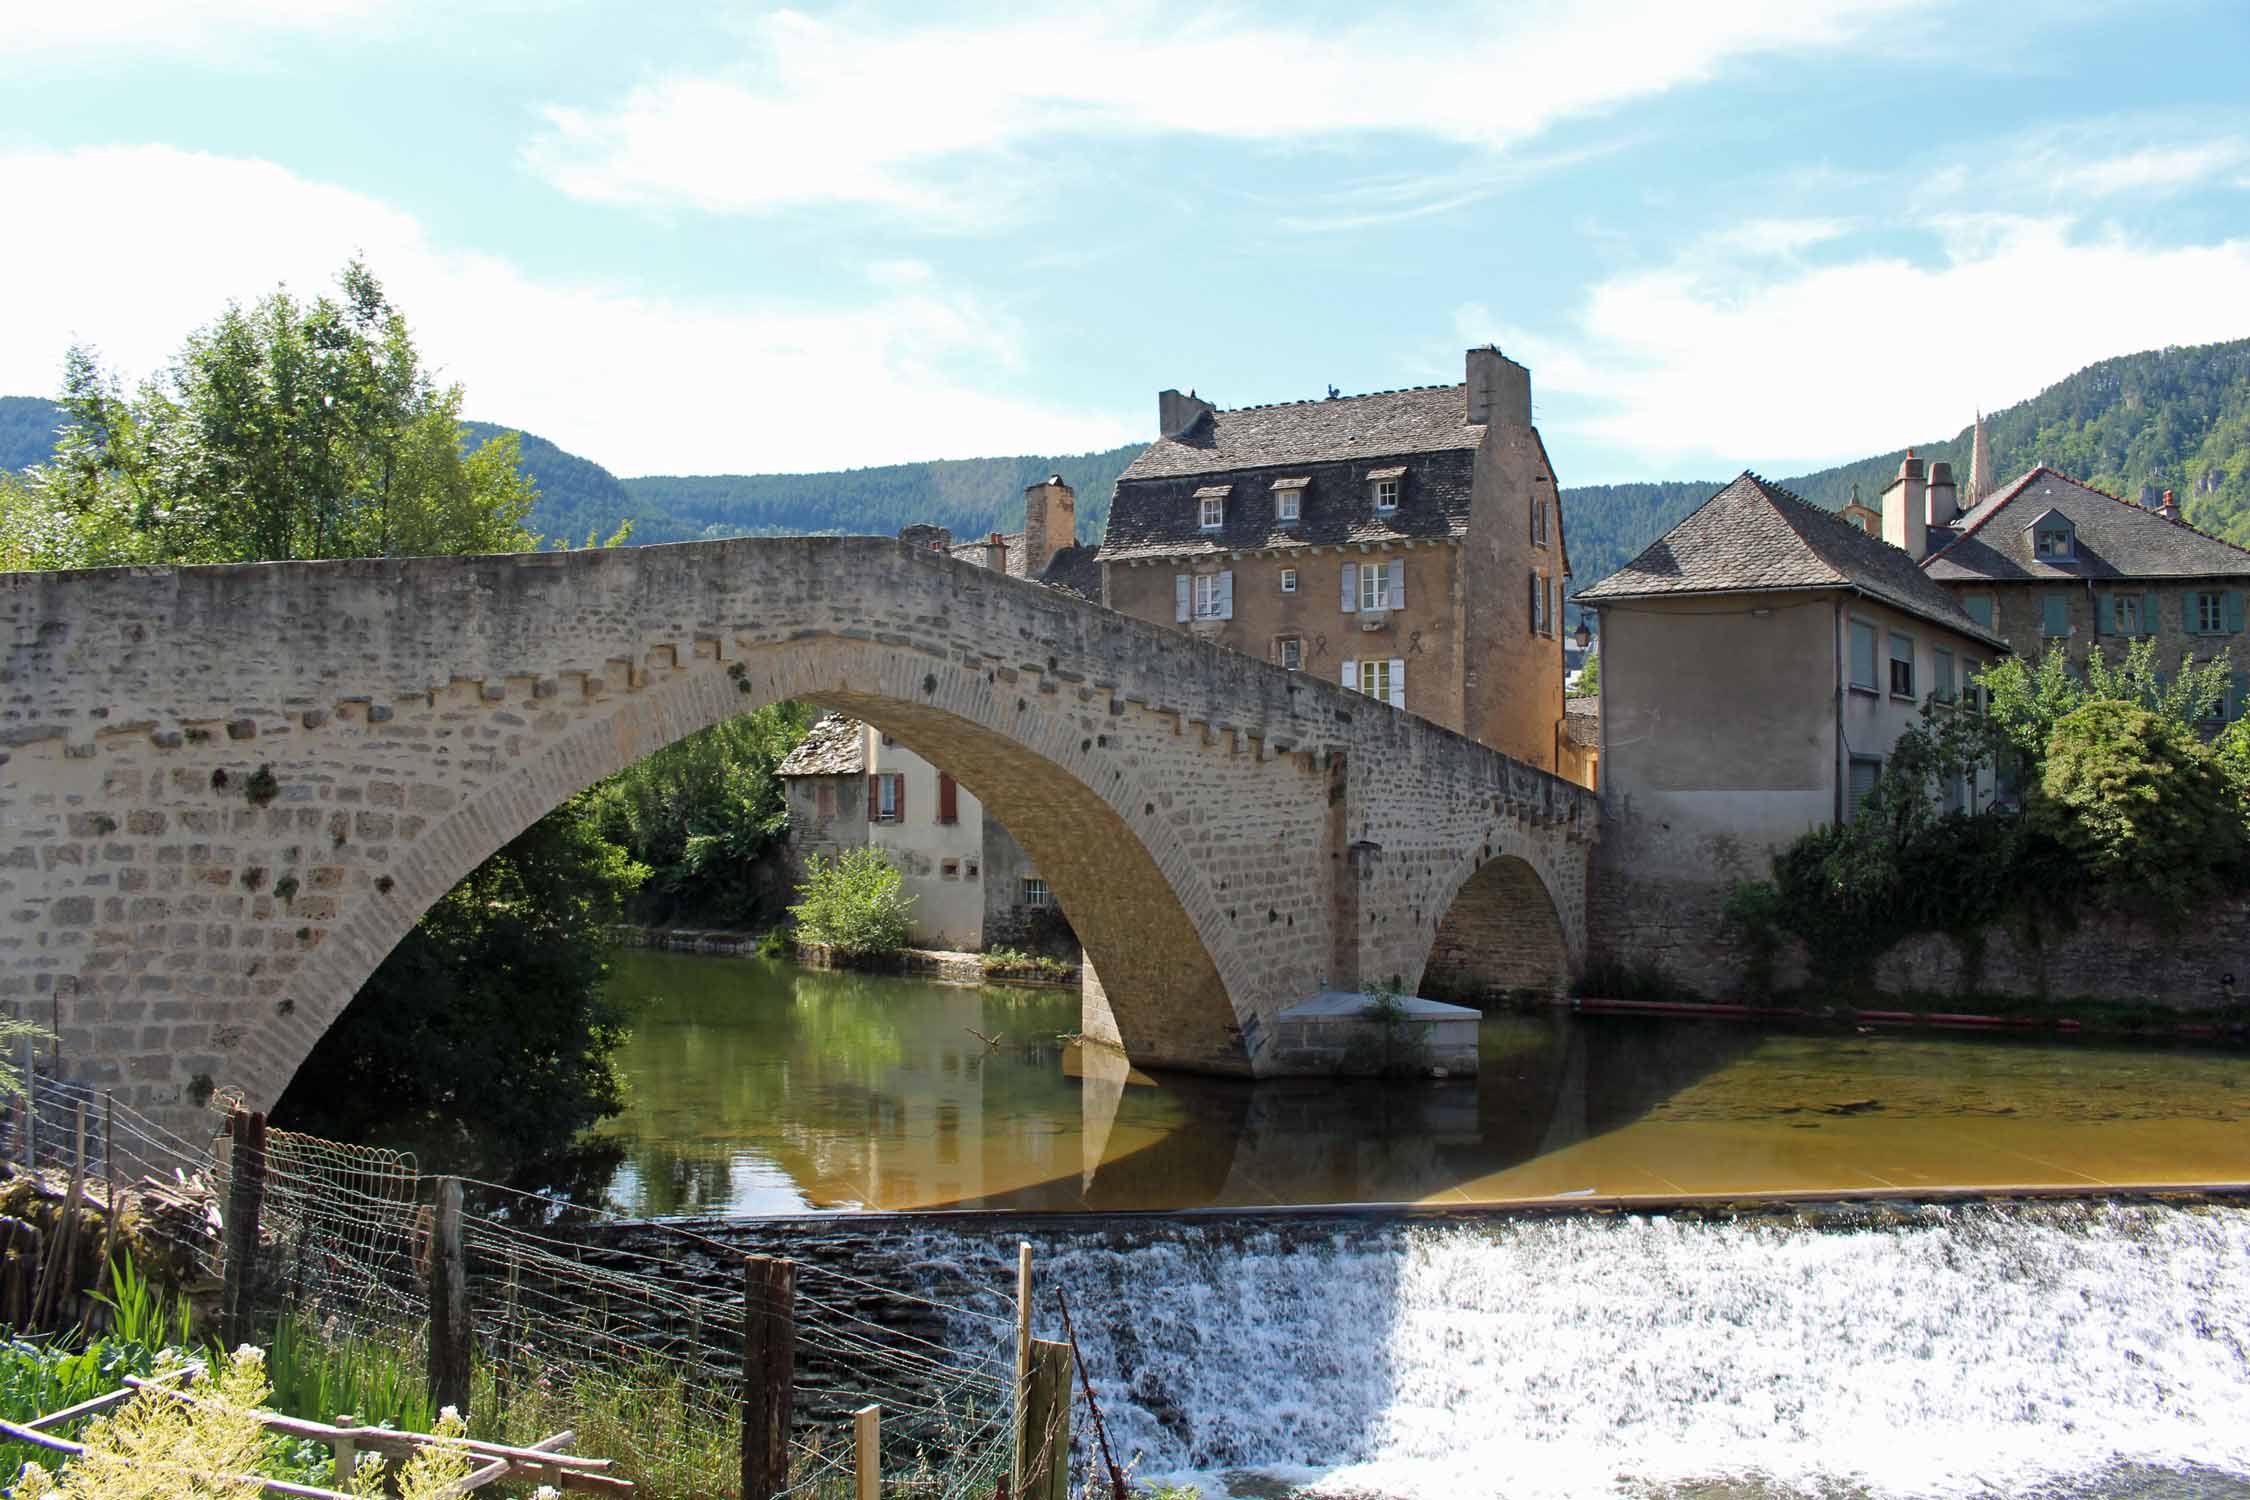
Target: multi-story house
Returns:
[[1407, 544], [2050, 563]]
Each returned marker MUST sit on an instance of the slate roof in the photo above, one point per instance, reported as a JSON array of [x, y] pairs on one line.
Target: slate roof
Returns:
[[974, 552], [1159, 517], [1754, 536], [1384, 424], [1075, 569], [2116, 539], [1582, 721], [834, 746]]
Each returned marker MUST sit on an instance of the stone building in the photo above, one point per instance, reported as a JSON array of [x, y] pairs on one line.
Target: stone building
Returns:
[[1407, 544], [2050, 563], [1759, 660], [849, 784]]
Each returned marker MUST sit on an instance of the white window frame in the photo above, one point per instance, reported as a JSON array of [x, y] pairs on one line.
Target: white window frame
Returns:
[[1895, 661], [890, 790], [1289, 651], [1035, 893], [1207, 596], [1289, 580], [1374, 588], [2210, 612], [1285, 506], [1214, 513], [1386, 493]]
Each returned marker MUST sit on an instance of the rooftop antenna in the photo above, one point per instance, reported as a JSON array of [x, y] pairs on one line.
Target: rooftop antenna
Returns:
[[1333, 393]]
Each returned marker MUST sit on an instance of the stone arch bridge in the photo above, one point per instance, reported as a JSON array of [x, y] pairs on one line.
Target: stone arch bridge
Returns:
[[226, 792]]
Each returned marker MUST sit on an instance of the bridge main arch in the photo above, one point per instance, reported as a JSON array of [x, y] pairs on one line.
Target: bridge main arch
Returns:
[[226, 792]]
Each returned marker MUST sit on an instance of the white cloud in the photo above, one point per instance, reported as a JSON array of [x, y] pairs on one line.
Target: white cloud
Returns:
[[847, 111], [2153, 169], [639, 383], [1776, 237], [167, 26], [1685, 368]]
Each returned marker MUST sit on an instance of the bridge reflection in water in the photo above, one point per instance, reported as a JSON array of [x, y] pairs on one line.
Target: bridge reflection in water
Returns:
[[757, 1087]]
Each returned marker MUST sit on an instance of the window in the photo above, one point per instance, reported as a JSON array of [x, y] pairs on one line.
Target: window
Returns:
[[824, 800], [1972, 692], [2213, 612], [2121, 614], [948, 799], [1214, 512], [968, 869], [1542, 605], [1902, 666], [2052, 541], [1289, 580], [2054, 615], [949, 869], [1289, 652], [1941, 674], [886, 797], [1374, 586], [1207, 596], [1979, 608], [1378, 678], [1386, 494], [1539, 522], [1865, 770], [1863, 655], [1034, 892], [1203, 596], [1285, 505]]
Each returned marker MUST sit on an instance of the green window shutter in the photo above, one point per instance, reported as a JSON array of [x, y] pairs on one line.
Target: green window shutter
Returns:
[[2105, 614], [1980, 609], [2238, 696], [2234, 611], [2187, 612], [2057, 615], [2148, 614]]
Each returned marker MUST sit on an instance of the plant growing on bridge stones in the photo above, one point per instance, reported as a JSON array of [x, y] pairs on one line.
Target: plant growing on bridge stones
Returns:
[[853, 903]]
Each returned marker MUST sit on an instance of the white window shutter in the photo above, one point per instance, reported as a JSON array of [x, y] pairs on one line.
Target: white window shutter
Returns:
[[1226, 594], [1351, 670], [1397, 595], [1180, 602], [1351, 588], [1398, 678]]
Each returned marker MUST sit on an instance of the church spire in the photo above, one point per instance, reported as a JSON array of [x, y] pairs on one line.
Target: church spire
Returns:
[[1980, 467]]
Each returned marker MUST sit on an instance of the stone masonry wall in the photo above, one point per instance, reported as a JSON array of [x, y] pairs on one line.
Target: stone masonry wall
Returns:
[[226, 792]]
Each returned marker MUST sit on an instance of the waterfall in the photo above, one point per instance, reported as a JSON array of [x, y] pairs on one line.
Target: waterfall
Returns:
[[2052, 1349]]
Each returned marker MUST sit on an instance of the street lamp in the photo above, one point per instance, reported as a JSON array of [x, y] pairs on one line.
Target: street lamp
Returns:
[[1582, 635]]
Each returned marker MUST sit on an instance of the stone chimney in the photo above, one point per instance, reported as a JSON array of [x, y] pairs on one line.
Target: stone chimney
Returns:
[[1906, 515], [1050, 522], [2170, 509], [996, 552], [921, 534], [1176, 413], [1944, 498], [1499, 390]]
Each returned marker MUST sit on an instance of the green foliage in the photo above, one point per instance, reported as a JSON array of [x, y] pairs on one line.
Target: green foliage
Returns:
[[648, 1414], [2027, 702], [1014, 963], [140, 1312], [38, 1377], [853, 903], [486, 1028], [282, 430], [1393, 1045], [329, 1375], [2143, 806], [2232, 753], [1589, 677], [701, 814]]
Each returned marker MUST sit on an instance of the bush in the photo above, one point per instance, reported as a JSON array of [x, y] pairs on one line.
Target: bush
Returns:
[[1015, 963], [853, 903], [2143, 805]]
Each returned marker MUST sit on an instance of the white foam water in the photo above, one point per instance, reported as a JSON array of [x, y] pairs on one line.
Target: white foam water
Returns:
[[2055, 1349]]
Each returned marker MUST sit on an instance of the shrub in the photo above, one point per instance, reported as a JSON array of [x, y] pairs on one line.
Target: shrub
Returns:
[[1014, 961], [2144, 806], [853, 903]]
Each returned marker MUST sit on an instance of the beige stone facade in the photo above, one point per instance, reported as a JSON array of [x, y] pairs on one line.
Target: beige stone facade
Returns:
[[227, 792]]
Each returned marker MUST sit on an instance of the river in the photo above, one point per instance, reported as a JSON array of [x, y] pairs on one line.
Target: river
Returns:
[[2095, 1350], [756, 1087]]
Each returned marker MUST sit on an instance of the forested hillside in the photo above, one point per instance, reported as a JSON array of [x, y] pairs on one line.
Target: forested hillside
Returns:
[[2137, 425]]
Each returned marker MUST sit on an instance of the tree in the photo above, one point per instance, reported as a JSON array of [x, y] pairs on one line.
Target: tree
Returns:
[[853, 903], [2144, 806], [283, 430], [2028, 702], [1589, 676], [485, 1034]]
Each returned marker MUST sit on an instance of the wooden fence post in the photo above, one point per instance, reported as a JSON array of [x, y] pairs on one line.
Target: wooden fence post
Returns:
[[246, 1196], [867, 1451], [769, 1372], [449, 1302], [1046, 1453], [1016, 1473]]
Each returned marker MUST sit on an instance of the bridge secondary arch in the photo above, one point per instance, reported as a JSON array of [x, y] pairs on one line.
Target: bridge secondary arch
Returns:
[[226, 792]]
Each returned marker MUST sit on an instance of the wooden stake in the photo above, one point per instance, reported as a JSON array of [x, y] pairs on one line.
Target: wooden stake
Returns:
[[1016, 1472], [769, 1373], [245, 1199], [867, 1451], [1047, 1424], [449, 1302]]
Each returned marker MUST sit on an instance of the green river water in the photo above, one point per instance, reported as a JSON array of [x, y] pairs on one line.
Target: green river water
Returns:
[[757, 1087]]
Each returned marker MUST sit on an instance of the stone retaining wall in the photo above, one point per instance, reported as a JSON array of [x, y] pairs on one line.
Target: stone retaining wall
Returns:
[[950, 967]]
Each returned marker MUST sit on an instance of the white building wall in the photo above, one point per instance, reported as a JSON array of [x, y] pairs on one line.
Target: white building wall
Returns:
[[940, 864]]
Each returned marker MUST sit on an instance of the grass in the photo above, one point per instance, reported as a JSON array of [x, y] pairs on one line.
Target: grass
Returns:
[[327, 1375], [650, 1416], [1015, 963]]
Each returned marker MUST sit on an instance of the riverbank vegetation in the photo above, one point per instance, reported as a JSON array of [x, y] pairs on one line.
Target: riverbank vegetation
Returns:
[[852, 903], [2117, 803]]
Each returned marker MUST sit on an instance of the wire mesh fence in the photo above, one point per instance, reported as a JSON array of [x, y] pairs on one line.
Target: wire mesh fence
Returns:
[[632, 1345]]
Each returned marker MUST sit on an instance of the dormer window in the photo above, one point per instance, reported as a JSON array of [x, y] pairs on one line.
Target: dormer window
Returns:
[[1383, 485], [1288, 500], [1211, 506], [2053, 537]]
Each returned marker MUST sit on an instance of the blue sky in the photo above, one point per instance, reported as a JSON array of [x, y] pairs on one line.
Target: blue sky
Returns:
[[698, 238]]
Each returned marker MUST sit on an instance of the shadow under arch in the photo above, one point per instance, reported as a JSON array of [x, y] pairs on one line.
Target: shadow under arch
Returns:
[[1103, 851], [1501, 935]]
